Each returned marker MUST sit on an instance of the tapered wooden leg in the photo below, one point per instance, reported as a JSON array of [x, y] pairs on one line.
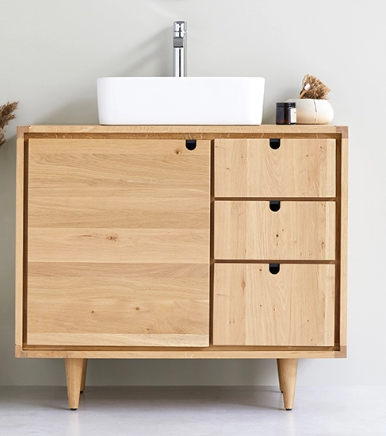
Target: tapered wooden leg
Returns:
[[287, 376], [278, 373], [74, 370], [84, 372]]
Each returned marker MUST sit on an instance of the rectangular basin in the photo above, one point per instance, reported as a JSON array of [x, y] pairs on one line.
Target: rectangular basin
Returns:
[[183, 101]]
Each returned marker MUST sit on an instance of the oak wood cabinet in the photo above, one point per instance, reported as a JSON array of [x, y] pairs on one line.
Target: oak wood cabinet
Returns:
[[181, 242]]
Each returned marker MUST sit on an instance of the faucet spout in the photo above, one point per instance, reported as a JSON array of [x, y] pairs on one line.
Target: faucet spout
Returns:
[[179, 49]]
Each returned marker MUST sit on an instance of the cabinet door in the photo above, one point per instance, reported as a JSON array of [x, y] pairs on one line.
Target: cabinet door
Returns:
[[292, 307], [118, 243]]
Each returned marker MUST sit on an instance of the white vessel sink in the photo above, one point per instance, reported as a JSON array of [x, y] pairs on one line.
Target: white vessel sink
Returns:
[[185, 101]]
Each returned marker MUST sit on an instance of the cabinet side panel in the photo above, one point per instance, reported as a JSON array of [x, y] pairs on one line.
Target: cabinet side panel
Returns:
[[118, 243], [19, 265], [344, 242]]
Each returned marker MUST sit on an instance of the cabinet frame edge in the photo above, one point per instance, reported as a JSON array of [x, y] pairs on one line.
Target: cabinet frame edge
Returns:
[[207, 353], [20, 235], [343, 242]]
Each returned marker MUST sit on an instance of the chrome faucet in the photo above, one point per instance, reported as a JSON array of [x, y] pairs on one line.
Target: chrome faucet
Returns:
[[179, 49]]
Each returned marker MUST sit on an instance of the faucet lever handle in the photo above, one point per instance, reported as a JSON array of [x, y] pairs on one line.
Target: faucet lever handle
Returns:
[[179, 28]]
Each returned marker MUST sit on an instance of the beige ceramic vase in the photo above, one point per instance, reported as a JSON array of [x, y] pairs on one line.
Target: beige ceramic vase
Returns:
[[312, 111]]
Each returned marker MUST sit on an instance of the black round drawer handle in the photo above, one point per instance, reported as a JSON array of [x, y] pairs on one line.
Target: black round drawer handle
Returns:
[[274, 268], [191, 144]]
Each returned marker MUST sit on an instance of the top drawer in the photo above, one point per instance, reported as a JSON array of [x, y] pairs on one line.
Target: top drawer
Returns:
[[293, 168]]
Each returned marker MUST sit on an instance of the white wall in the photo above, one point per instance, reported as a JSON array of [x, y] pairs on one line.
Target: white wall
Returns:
[[51, 55]]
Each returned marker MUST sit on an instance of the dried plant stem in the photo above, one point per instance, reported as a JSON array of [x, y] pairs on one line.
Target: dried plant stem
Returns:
[[2, 138], [6, 115], [313, 88]]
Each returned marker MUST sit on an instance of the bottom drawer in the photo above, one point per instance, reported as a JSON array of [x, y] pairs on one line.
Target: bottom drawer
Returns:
[[291, 307]]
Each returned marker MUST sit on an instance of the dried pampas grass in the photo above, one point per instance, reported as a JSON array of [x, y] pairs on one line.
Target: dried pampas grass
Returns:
[[313, 88], [6, 115]]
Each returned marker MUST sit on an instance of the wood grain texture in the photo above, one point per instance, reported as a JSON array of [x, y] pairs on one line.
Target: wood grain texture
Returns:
[[84, 374], [344, 242], [287, 375], [121, 304], [118, 245], [254, 307], [265, 128], [343, 131], [118, 241], [298, 168], [90, 168], [22, 132], [279, 375], [210, 352], [74, 370], [19, 255], [117, 212], [297, 231], [139, 339]]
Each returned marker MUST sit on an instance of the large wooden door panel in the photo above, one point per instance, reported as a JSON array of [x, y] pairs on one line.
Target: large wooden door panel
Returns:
[[118, 242]]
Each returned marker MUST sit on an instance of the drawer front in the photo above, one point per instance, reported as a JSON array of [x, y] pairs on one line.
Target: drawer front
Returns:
[[298, 168], [294, 307], [299, 230]]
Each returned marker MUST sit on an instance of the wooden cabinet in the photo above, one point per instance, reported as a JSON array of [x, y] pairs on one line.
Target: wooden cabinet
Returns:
[[181, 242]]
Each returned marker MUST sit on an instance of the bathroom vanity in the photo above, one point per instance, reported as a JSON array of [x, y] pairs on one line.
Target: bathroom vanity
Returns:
[[181, 242]]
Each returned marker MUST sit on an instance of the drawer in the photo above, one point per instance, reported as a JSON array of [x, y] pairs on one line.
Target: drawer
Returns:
[[299, 230], [297, 168], [294, 307]]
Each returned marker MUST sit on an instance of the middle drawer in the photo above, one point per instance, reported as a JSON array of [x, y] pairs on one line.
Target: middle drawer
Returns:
[[298, 230]]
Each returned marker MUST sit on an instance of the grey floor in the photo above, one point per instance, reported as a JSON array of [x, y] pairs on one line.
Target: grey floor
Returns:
[[158, 411]]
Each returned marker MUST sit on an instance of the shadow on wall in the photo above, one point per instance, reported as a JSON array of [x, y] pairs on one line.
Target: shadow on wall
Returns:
[[82, 112], [269, 116], [177, 372], [152, 57], [7, 251]]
